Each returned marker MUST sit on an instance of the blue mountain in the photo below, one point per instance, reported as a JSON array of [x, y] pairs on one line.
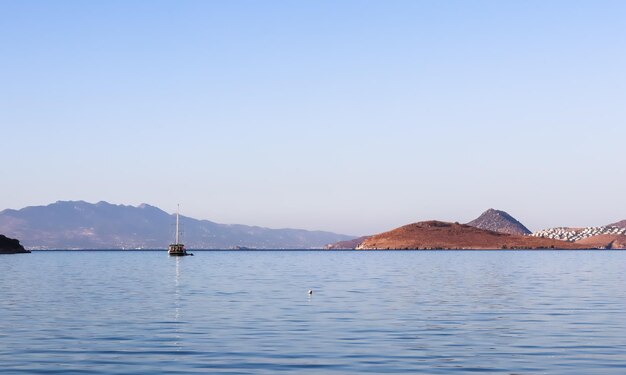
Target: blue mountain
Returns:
[[82, 225]]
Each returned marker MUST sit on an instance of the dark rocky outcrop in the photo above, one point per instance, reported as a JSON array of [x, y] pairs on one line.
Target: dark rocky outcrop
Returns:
[[499, 221], [11, 246]]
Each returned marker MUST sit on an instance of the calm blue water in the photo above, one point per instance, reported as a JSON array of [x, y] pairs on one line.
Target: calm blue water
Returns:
[[378, 312]]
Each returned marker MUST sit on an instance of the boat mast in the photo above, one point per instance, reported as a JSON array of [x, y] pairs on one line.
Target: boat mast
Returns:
[[177, 232]]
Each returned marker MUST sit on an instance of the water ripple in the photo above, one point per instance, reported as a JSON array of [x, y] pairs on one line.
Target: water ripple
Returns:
[[371, 312]]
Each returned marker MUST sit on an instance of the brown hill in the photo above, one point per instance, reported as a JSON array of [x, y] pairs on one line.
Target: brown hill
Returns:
[[499, 221], [621, 224], [604, 241], [449, 236]]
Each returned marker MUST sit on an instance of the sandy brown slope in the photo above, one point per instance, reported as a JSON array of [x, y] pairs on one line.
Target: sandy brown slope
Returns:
[[442, 235], [605, 241]]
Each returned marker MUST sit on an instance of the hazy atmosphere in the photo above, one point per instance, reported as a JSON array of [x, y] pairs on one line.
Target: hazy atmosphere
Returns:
[[348, 116]]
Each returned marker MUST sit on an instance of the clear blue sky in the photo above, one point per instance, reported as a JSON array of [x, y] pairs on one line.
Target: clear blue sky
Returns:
[[349, 116]]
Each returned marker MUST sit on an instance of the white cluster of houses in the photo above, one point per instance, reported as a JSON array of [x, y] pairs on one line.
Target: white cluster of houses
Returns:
[[575, 234]]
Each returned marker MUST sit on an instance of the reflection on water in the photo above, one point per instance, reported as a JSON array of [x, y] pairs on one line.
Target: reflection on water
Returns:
[[177, 289], [177, 298], [249, 312]]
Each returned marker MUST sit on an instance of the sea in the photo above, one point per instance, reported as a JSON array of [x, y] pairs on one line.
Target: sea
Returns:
[[250, 312]]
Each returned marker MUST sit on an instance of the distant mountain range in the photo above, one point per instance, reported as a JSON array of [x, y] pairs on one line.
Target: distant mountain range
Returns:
[[82, 225], [499, 221]]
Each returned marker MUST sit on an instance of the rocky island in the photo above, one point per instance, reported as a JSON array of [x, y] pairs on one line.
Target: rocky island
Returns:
[[439, 235], [11, 246], [493, 229]]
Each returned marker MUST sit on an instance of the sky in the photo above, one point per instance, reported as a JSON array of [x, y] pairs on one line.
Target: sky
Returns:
[[349, 116]]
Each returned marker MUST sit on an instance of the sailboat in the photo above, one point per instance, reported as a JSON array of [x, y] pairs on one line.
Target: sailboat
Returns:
[[177, 248]]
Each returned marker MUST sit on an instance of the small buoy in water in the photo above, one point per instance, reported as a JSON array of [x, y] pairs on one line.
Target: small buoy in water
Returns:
[[310, 292]]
